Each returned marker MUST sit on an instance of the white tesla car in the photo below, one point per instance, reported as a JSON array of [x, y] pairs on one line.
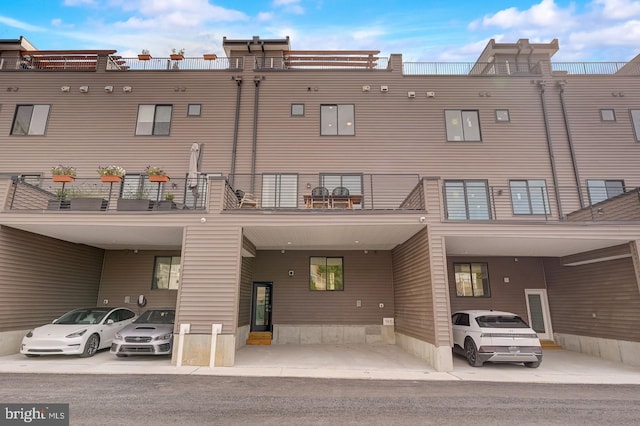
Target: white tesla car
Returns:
[[484, 335], [79, 332]]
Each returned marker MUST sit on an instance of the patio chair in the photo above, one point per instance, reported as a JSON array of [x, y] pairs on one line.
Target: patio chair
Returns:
[[248, 200], [340, 197], [320, 197]]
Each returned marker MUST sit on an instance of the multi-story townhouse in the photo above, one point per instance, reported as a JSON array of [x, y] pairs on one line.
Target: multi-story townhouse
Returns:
[[508, 183]]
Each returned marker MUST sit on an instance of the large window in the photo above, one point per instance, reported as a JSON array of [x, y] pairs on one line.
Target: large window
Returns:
[[462, 125], [326, 274], [154, 120], [30, 120], [279, 190], [472, 279], [600, 190], [467, 199], [166, 273], [337, 120], [529, 197], [635, 119]]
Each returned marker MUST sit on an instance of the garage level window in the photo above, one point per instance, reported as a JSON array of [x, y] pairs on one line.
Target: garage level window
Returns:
[[337, 120], [472, 279], [154, 120], [462, 125], [30, 120], [600, 190], [326, 274], [166, 273]]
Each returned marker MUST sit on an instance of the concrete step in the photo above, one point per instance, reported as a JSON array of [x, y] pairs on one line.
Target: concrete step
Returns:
[[259, 338], [549, 344]]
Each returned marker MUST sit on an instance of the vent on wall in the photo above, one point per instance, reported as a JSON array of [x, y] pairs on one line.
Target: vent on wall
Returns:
[[84, 89], [366, 88], [411, 94], [384, 88]]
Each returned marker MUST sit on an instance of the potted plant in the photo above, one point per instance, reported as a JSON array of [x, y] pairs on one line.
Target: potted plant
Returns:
[[111, 173], [167, 203], [135, 201], [156, 174], [144, 55], [177, 55], [62, 173]]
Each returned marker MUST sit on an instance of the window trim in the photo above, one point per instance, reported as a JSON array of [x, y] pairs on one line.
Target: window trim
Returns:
[[199, 114], [604, 181], [461, 117], [326, 258], [466, 198], [277, 194], [154, 276], [498, 120], [613, 113], [485, 270], [298, 105], [532, 210], [348, 124], [634, 116]]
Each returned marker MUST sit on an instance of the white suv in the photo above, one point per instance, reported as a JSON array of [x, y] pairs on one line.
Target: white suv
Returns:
[[496, 336]]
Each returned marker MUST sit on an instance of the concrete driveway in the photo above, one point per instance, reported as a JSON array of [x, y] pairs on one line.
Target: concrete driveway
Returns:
[[340, 361]]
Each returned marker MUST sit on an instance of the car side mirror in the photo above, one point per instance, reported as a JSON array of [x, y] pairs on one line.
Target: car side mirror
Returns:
[[109, 321]]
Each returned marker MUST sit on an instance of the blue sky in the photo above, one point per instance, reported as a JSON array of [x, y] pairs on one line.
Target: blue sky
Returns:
[[457, 31]]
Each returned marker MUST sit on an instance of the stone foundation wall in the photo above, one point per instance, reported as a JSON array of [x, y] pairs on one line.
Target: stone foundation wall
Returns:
[[613, 350], [333, 334]]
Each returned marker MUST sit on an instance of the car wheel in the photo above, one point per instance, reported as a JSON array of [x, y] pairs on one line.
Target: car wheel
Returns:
[[31, 355], [471, 352], [91, 347], [533, 364], [121, 355]]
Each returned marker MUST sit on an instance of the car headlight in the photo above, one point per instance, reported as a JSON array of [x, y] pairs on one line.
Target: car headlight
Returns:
[[76, 334], [29, 334], [163, 337]]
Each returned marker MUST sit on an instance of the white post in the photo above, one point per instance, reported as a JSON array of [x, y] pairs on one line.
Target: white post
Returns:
[[215, 330], [184, 329]]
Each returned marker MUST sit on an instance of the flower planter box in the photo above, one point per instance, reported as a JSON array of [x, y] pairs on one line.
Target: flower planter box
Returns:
[[144, 57], [158, 178], [210, 56], [166, 205], [58, 205], [88, 204], [131, 204], [110, 178], [62, 178], [176, 57]]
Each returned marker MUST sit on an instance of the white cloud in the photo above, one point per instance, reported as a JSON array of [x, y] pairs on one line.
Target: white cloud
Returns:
[[545, 14], [290, 6], [619, 9], [19, 24], [265, 16], [79, 2]]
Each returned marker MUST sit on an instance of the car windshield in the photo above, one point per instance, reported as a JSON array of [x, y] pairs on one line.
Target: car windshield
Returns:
[[157, 316], [83, 316], [501, 321]]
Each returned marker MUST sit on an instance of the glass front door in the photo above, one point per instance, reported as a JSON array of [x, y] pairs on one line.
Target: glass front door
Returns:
[[261, 307], [538, 310]]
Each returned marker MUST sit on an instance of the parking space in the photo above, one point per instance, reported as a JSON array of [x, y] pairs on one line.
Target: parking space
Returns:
[[387, 362]]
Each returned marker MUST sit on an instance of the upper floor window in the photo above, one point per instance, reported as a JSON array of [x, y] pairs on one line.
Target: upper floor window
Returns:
[[337, 120], [529, 197], [462, 125], [502, 116], [326, 273], [279, 190], [607, 115], [467, 199], [166, 273], [194, 110], [30, 120], [154, 120], [600, 190], [472, 279], [297, 110], [635, 118]]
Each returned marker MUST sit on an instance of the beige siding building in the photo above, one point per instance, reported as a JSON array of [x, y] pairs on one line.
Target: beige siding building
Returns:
[[322, 197]]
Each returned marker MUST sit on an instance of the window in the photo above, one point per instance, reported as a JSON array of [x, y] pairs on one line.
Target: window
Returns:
[[462, 125], [166, 273], [607, 115], [297, 110], [30, 120], [472, 279], [279, 190], [353, 182], [600, 190], [137, 186], [502, 115], [467, 199], [529, 197], [154, 120], [194, 110], [337, 120], [326, 274], [635, 119]]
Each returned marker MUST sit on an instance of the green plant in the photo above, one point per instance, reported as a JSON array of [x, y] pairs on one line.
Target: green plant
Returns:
[[168, 196], [145, 52], [61, 194], [111, 171], [62, 170], [154, 171], [175, 51]]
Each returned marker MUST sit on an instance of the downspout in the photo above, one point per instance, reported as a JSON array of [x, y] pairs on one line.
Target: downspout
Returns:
[[256, 98], [542, 85], [236, 124], [574, 161]]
